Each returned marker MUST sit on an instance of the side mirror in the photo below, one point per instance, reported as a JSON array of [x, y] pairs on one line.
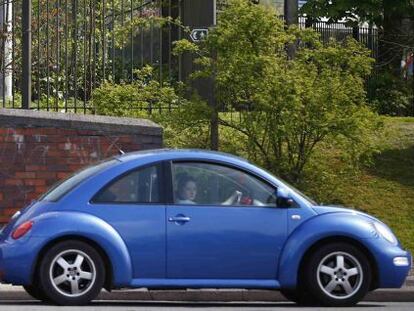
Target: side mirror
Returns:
[[283, 198]]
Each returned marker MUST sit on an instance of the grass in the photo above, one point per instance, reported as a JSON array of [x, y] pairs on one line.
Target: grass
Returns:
[[386, 189]]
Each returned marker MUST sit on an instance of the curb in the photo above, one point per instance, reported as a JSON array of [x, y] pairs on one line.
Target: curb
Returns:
[[405, 294]]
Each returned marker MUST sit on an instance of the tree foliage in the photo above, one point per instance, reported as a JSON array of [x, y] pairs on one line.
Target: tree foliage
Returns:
[[140, 98], [355, 11], [285, 108]]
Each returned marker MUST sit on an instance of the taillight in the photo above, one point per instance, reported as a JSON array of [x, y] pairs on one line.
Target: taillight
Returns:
[[22, 230]]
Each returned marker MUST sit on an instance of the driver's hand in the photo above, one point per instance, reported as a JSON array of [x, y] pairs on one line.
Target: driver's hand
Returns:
[[238, 196], [234, 198]]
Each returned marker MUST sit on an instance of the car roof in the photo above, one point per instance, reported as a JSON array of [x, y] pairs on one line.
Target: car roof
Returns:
[[167, 153]]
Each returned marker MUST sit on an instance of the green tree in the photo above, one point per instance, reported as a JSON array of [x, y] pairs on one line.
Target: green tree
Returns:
[[285, 107], [394, 18]]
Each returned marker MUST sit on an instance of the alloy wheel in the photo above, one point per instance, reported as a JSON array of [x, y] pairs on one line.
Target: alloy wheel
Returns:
[[72, 273], [340, 275]]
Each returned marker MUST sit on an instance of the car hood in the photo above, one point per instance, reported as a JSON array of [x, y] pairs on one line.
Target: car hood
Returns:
[[322, 209]]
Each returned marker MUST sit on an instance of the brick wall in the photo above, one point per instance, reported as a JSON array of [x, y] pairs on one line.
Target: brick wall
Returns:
[[39, 148]]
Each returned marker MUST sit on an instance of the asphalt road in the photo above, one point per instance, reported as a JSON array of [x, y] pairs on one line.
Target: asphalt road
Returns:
[[20, 305]]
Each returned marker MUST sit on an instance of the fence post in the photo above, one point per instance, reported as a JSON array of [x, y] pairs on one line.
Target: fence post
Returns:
[[291, 18], [27, 53]]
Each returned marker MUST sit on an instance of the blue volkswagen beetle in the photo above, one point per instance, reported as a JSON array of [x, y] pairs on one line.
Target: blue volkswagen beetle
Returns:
[[194, 219]]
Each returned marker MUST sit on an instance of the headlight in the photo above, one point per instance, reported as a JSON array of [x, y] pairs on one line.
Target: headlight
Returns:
[[385, 232]]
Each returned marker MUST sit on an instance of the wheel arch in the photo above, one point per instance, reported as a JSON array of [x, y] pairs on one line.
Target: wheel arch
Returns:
[[328, 227], [109, 277], [57, 226], [344, 239]]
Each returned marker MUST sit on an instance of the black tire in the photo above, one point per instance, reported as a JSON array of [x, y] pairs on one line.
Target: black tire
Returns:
[[290, 294], [71, 273], [299, 296], [337, 275], [35, 291]]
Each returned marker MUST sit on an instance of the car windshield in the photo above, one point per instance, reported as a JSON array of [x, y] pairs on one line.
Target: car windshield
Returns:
[[66, 185], [312, 201], [297, 191]]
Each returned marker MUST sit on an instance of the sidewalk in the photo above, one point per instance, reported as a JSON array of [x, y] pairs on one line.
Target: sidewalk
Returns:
[[404, 294]]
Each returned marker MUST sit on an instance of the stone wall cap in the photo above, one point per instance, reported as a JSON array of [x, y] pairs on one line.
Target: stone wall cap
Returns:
[[33, 118]]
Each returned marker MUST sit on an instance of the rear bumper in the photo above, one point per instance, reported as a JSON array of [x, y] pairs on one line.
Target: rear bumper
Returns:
[[17, 260]]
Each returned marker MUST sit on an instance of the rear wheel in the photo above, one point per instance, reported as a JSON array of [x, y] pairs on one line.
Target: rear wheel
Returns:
[[72, 273], [337, 275]]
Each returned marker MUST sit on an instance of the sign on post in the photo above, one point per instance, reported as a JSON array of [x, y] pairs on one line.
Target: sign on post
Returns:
[[199, 34]]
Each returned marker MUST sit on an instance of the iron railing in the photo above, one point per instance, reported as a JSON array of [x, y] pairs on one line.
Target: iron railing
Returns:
[[78, 44]]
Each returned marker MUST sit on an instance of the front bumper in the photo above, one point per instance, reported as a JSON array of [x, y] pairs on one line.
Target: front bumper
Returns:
[[390, 273]]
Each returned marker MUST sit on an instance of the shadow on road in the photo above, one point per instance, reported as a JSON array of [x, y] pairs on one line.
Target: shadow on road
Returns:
[[133, 303]]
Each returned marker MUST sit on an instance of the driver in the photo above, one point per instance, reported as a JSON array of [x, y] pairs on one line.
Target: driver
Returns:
[[187, 190]]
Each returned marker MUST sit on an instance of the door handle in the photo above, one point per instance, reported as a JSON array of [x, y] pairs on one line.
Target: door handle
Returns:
[[179, 219]]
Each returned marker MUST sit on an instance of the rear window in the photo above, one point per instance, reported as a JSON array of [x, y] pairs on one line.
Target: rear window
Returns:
[[66, 185], [140, 186]]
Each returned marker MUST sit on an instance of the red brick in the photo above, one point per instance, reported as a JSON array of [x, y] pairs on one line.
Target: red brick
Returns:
[[40, 189], [75, 167], [25, 175], [30, 131], [66, 132], [53, 139], [46, 175], [65, 146], [57, 165], [4, 131], [4, 219], [62, 175], [88, 133], [14, 182], [47, 131], [35, 182], [54, 153], [40, 159], [36, 168], [51, 182], [32, 196]]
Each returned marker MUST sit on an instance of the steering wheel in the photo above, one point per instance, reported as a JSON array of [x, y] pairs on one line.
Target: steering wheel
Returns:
[[239, 195]]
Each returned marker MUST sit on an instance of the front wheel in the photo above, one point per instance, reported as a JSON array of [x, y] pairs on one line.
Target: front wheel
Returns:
[[338, 275], [72, 273], [299, 296]]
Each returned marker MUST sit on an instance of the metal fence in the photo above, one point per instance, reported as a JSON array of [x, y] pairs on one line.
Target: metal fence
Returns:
[[366, 35], [79, 44]]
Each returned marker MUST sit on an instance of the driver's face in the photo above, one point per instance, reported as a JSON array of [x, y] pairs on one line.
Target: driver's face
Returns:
[[189, 191]]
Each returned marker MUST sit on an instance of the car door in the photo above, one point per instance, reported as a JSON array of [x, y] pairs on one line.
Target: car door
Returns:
[[223, 224], [133, 204]]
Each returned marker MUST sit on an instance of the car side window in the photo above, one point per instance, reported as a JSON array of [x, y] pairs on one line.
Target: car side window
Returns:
[[214, 184], [140, 186]]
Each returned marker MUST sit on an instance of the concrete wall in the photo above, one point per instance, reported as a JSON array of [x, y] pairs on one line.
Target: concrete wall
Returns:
[[39, 148]]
